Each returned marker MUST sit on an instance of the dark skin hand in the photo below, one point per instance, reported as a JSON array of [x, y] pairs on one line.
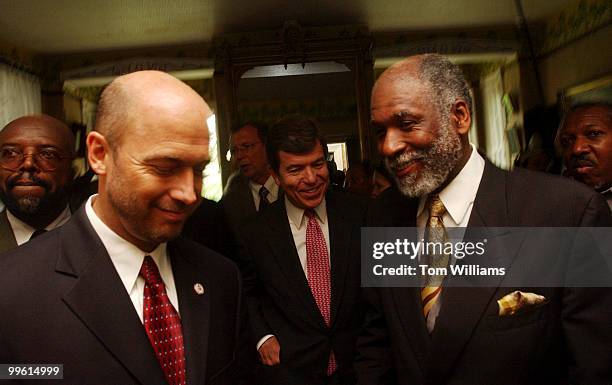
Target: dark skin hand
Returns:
[[269, 352]]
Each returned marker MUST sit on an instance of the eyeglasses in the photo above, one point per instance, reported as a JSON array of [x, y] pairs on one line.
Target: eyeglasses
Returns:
[[245, 148], [11, 158]]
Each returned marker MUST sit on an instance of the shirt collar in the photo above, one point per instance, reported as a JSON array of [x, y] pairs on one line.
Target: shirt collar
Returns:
[[23, 231], [296, 214], [607, 191], [270, 185], [126, 257], [460, 193]]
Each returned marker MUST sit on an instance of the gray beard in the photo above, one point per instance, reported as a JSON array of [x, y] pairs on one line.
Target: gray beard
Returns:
[[438, 161], [28, 205]]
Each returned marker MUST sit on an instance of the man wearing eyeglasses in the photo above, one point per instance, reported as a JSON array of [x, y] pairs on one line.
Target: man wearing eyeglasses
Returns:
[[252, 188], [35, 177]]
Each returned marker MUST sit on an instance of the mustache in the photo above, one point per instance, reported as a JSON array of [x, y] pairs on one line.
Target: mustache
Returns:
[[582, 161], [403, 159], [26, 179]]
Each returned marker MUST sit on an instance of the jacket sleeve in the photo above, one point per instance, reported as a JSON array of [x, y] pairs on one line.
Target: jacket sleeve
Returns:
[[253, 290], [373, 364], [587, 311]]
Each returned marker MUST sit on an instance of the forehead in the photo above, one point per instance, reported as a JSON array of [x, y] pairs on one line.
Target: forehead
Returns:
[[245, 134], [288, 159], [395, 95], [177, 134], [34, 133], [589, 116]]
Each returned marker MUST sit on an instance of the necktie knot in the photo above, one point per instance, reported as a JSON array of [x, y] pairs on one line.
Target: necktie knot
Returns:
[[310, 214], [436, 207], [150, 272], [263, 197]]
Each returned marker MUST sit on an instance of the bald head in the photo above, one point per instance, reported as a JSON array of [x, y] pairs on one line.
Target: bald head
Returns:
[[63, 137], [405, 69], [142, 92], [36, 172], [444, 81], [149, 150]]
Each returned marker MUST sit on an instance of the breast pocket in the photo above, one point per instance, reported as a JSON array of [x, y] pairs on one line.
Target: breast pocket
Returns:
[[531, 316]]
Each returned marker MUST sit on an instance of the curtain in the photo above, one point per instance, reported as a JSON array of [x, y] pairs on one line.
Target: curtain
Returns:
[[19, 94], [495, 120]]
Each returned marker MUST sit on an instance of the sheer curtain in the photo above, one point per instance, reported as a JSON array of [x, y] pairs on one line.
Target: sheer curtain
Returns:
[[19, 94], [495, 120]]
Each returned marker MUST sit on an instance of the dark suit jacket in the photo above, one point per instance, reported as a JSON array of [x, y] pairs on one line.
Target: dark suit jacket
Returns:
[[208, 226], [280, 301], [7, 238], [237, 202], [568, 340], [62, 301]]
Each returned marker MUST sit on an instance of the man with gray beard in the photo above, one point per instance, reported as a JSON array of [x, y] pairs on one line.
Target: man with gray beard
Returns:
[[35, 177], [421, 111]]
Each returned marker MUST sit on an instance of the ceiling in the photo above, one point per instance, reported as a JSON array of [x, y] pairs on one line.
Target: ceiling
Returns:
[[59, 26]]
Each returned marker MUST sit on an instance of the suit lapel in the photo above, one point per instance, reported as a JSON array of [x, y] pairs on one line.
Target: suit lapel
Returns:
[[100, 301], [407, 301], [7, 238], [283, 248], [194, 310], [247, 197], [398, 211], [463, 307]]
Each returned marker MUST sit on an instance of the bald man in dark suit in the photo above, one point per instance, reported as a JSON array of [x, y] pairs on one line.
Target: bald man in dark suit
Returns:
[[115, 295]]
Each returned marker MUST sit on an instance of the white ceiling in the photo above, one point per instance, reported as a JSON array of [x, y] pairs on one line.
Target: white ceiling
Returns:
[[54, 26]]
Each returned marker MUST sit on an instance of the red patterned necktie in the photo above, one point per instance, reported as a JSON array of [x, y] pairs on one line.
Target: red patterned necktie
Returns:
[[319, 277], [163, 325]]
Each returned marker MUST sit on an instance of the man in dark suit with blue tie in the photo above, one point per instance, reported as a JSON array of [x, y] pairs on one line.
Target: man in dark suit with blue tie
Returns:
[[251, 188]]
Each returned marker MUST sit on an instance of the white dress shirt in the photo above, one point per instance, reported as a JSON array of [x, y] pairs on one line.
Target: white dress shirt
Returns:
[[607, 194], [23, 232], [298, 223], [270, 185], [127, 259], [458, 199]]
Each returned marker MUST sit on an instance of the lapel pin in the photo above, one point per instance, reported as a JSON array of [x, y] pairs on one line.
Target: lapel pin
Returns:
[[198, 288]]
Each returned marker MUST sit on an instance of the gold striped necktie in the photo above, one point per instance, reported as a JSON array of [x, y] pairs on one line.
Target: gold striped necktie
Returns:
[[434, 232]]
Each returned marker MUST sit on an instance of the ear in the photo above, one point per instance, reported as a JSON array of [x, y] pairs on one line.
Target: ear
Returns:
[[275, 176], [461, 118], [97, 152]]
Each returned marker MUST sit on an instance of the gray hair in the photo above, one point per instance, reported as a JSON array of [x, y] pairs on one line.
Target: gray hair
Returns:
[[447, 83]]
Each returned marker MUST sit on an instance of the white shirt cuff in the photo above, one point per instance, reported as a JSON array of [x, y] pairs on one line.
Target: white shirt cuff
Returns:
[[264, 339]]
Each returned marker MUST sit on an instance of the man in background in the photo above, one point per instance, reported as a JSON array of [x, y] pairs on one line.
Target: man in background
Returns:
[[252, 188], [113, 294], [35, 178], [585, 139]]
